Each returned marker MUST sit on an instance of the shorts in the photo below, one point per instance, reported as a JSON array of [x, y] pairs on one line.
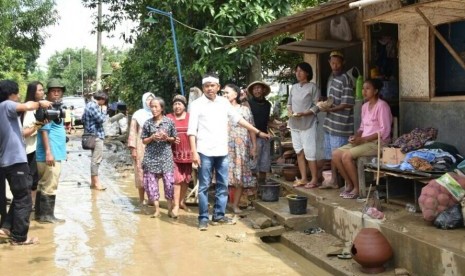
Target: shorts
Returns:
[[263, 160], [182, 172], [366, 149], [305, 140], [333, 142]]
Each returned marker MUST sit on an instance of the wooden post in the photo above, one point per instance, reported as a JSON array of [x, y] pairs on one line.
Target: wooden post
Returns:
[[446, 44]]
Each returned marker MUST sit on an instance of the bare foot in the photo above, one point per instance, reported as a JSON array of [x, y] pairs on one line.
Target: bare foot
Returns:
[[237, 210]]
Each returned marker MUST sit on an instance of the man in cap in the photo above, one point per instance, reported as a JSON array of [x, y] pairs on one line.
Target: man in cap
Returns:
[[93, 119], [208, 136], [339, 121], [51, 150], [261, 109], [13, 164]]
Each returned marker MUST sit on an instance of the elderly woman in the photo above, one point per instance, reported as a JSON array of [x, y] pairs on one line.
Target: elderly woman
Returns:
[[135, 143], [182, 155], [376, 120], [158, 133], [242, 148]]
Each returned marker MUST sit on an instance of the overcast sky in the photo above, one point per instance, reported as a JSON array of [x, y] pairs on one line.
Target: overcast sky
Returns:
[[73, 30]]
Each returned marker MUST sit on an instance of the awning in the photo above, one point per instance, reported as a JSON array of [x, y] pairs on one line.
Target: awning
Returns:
[[296, 22], [316, 46], [438, 12]]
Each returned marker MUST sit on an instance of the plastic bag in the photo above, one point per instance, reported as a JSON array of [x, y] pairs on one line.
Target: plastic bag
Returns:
[[339, 29], [451, 218]]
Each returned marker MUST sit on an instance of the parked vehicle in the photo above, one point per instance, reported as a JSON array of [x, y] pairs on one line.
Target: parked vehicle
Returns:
[[78, 103]]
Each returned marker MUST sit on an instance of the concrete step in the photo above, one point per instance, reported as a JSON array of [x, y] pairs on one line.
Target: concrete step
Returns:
[[315, 248], [418, 247], [279, 211]]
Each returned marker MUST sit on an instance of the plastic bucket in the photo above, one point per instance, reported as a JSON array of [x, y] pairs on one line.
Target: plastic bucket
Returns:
[[270, 191], [297, 204]]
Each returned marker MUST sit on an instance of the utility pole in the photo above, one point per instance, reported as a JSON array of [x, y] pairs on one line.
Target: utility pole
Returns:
[[82, 75], [99, 47]]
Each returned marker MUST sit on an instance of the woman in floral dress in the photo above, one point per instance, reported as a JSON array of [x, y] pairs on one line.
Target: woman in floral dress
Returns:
[[135, 143], [242, 146], [158, 134]]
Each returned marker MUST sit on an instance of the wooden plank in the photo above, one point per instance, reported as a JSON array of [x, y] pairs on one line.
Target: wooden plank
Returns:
[[446, 44]]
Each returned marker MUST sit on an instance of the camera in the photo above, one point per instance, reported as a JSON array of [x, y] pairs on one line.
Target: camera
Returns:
[[55, 113]]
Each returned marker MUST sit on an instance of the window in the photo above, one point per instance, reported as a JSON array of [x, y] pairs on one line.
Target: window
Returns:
[[450, 76]]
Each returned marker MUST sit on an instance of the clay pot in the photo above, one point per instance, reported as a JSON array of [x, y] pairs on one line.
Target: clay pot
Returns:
[[290, 173], [371, 250]]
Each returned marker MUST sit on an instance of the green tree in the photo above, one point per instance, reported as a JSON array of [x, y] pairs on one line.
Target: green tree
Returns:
[[66, 65], [151, 65], [22, 23]]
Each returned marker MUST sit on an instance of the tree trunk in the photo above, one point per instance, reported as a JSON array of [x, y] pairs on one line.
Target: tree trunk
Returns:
[[255, 70]]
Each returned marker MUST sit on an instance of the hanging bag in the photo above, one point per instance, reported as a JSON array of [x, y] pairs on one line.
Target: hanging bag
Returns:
[[339, 29], [88, 141]]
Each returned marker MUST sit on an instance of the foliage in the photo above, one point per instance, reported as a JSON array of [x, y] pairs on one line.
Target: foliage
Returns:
[[22, 23], [67, 66], [151, 65]]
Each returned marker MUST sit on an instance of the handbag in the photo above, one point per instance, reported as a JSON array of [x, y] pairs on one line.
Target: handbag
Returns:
[[88, 141]]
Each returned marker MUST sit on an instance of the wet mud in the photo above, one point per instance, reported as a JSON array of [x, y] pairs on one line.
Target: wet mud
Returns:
[[106, 233]]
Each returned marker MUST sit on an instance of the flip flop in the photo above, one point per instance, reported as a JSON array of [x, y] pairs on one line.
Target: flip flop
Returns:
[[98, 189], [311, 186], [344, 256], [299, 183], [29, 241], [350, 196], [4, 234]]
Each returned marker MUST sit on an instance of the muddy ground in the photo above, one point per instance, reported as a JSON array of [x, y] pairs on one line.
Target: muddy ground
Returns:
[[107, 234]]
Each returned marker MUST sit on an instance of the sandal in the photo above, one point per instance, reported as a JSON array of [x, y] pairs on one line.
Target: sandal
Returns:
[[298, 183], [5, 233], [29, 241], [350, 196], [313, 230], [344, 256], [311, 186]]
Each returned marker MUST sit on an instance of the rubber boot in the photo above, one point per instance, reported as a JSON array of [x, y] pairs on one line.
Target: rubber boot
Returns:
[[52, 205], [37, 206], [47, 208]]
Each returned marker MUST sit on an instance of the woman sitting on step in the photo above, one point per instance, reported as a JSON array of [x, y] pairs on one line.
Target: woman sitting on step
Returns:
[[376, 118]]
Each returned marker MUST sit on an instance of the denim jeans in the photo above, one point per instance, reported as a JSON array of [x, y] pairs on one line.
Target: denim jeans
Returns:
[[17, 218], [207, 164]]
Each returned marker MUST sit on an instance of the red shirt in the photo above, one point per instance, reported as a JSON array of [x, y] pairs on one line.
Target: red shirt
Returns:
[[182, 151]]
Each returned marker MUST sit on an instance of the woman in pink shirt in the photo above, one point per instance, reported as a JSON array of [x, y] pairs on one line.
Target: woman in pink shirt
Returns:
[[376, 118]]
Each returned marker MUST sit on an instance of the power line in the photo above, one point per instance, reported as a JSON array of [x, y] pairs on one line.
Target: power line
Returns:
[[205, 32]]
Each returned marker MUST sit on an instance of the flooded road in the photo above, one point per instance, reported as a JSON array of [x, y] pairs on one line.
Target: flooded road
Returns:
[[107, 234]]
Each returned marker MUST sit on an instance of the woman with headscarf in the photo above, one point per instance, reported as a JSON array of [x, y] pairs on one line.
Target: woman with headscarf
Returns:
[[135, 143], [182, 154]]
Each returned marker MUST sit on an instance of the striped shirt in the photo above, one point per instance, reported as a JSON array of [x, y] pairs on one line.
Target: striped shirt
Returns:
[[341, 123]]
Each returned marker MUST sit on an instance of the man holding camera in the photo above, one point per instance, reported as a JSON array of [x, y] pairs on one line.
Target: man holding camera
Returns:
[[13, 163], [51, 150]]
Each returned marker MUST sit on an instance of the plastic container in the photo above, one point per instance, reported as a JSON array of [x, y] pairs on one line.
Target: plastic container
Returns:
[[270, 192], [297, 204]]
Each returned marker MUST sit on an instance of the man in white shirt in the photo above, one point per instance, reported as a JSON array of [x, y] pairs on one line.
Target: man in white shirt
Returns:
[[208, 136]]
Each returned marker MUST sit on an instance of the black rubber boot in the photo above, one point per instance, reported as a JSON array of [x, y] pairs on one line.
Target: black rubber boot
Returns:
[[47, 208], [52, 205], [37, 206]]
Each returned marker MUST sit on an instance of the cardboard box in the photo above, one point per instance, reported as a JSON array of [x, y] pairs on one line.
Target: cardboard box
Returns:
[[392, 156]]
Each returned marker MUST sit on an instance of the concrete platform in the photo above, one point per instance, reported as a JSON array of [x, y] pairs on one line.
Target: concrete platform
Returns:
[[418, 247], [279, 211]]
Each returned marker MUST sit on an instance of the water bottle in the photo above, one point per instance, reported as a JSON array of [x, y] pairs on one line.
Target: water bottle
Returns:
[[359, 88]]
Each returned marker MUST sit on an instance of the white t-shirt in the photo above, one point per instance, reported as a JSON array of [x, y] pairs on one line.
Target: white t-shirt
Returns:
[[208, 122], [31, 141]]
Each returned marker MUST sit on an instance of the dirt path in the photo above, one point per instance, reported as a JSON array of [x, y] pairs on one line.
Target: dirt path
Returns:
[[106, 234]]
